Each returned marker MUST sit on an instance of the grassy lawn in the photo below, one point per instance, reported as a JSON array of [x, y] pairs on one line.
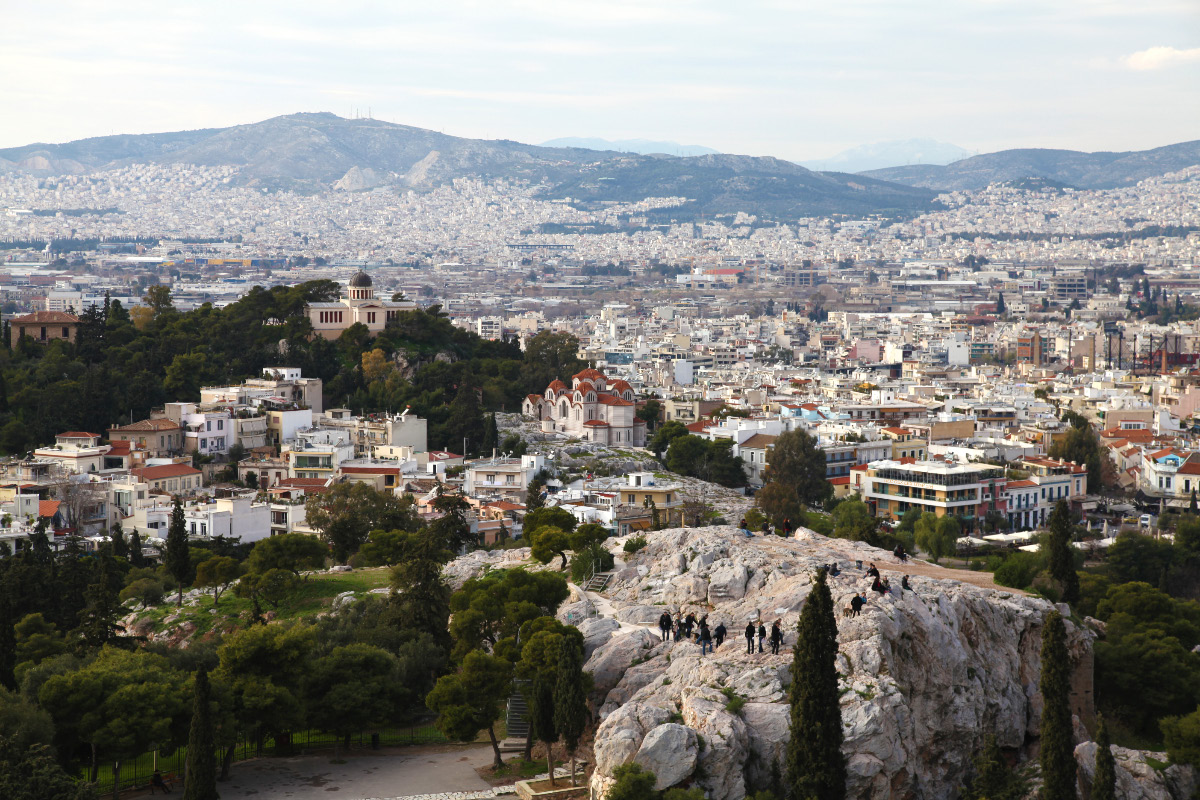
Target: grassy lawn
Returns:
[[313, 594]]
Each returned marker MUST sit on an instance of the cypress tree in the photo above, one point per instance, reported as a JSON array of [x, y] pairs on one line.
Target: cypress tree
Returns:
[[179, 561], [1104, 783], [491, 435], [815, 766], [541, 716], [136, 558], [570, 701], [1062, 559], [8, 644], [120, 548], [1057, 755], [201, 777]]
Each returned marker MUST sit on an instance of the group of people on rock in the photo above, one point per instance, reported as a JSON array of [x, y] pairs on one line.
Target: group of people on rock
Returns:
[[785, 528], [680, 628]]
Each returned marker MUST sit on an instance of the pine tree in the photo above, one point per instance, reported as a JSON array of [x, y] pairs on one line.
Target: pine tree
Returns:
[[570, 701], [99, 624], [179, 561], [533, 494], [201, 778], [1104, 782], [1001, 309], [1062, 559], [815, 767], [1057, 755], [1192, 503]]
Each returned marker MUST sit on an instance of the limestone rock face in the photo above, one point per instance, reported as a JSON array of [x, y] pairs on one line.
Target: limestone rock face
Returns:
[[926, 674], [1136, 778], [670, 752]]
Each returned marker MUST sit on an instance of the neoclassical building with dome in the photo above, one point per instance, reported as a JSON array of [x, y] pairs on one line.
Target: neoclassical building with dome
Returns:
[[592, 408], [359, 305]]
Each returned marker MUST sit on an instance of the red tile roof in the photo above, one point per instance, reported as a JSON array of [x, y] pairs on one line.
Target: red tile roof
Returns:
[[77, 435], [162, 471], [596, 423], [48, 508], [59, 317], [147, 425], [759, 441], [610, 400]]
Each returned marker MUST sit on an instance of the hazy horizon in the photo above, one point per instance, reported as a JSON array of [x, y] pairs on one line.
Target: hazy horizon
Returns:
[[801, 81]]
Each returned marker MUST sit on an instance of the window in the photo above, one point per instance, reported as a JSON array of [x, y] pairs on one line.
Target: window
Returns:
[[220, 424], [208, 425], [66, 333], [43, 333]]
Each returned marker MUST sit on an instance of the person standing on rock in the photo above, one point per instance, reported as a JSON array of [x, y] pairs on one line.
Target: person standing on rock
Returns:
[[705, 637], [688, 625], [750, 637], [719, 634], [664, 625], [766, 528], [762, 635], [787, 526], [776, 638], [857, 603]]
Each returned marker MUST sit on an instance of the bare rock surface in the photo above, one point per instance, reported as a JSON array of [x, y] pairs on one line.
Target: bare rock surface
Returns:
[[926, 674], [1141, 775]]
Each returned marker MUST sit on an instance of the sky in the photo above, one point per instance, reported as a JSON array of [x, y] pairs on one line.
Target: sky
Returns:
[[798, 79]]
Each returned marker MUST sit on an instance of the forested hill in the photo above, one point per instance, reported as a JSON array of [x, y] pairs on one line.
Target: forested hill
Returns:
[[125, 364], [313, 152], [1066, 167]]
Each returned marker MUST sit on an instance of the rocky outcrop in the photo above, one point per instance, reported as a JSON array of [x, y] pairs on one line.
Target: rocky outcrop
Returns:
[[925, 675], [1141, 775]]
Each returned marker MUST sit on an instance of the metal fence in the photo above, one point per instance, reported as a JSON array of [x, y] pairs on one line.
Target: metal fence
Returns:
[[136, 772]]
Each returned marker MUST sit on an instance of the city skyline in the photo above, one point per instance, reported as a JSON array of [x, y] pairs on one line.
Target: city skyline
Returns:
[[796, 82]]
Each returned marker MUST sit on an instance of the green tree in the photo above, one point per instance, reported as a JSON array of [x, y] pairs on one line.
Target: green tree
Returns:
[[632, 782], [37, 639], [120, 705], [852, 519], [533, 493], [552, 516], [547, 542], [293, 552], [650, 413], [570, 702], [1104, 781], [99, 624], [32, 773], [491, 435], [541, 715], [346, 513], [218, 573], [797, 467], [666, 434], [1182, 737], [23, 721], [147, 591], [178, 560], [158, 300], [1061, 555], [136, 557], [470, 700], [495, 606], [264, 667], [8, 645], [815, 765], [1057, 753], [201, 761], [356, 687], [928, 537], [993, 779]]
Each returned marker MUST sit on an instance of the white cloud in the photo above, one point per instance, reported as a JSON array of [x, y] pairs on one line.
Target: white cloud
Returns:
[[1159, 57]]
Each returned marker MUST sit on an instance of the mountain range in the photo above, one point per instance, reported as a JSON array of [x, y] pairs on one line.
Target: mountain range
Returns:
[[315, 152], [643, 146], [877, 155], [1102, 170]]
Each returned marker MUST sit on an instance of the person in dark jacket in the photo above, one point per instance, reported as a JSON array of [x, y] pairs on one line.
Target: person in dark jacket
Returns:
[[857, 603], [750, 637], [766, 528], [904, 583], [688, 625], [157, 782], [762, 636], [705, 638], [787, 526], [719, 634], [664, 625], [873, 571], [776, 637]]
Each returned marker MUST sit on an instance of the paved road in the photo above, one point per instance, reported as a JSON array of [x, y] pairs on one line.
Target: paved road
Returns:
[[398, 772]]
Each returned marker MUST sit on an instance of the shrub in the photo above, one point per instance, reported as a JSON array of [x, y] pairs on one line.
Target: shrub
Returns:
[[1019, 570], [583, 561], [634, 544]]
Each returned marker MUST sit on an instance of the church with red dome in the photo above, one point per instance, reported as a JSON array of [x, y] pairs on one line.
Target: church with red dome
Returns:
[[592, 408]]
